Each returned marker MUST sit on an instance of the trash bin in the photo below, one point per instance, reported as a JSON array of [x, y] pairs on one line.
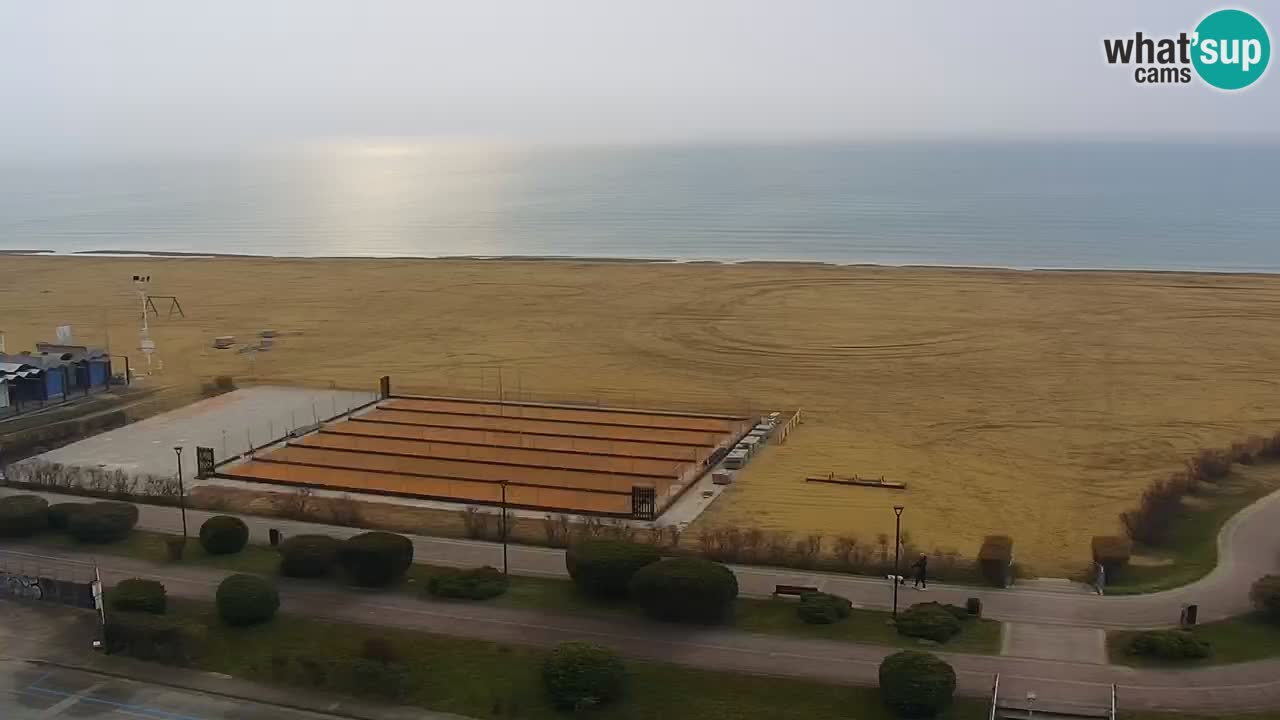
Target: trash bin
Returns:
[[274, 536], [1189, 614]]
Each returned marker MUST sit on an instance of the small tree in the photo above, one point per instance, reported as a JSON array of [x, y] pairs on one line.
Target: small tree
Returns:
[[306, 556], [928, 621], [603, 568], [1112, 553], [375, 559], [916, 684], [995, 557], [102, 522], [685, 589], [819, 608], [224, 535], [579, 675], [23, 515], [1265, 595], [247, 600], [138, 595]]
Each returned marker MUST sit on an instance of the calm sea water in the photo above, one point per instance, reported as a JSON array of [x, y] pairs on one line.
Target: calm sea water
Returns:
[[1030, 205]]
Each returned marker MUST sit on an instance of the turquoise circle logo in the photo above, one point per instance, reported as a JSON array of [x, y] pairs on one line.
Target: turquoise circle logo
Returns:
[[1231, 49]]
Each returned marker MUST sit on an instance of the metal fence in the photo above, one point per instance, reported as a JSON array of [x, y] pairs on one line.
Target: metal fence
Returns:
[[233, 443]]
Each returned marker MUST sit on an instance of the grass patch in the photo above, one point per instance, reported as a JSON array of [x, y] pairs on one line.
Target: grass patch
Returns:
[[1235, 640], [491, 680], [149, 546], [1193, 542]]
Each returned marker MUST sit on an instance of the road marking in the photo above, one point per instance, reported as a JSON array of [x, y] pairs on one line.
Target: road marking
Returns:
[[56, 709]]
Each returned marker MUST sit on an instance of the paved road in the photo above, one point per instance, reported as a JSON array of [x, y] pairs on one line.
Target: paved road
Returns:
[[1248, 547], [1240, 687]]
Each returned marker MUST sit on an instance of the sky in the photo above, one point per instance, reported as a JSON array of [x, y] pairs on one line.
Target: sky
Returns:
[[158, 72]]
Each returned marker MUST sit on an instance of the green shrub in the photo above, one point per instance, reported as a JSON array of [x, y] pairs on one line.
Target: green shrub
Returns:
[[375, 559], [995, 558], [956, 611], [247, 599], [580, 675], [916, 684], [306, 556], [60, 514], [929, 622], [139, 595], [1168, 645], [224, 535], [1210, 465], [102, 522], [153, 637], [685, 589], [477, 584], [23, 515], [1112, 553], [603, 568], [819, 608], [1265, 595]]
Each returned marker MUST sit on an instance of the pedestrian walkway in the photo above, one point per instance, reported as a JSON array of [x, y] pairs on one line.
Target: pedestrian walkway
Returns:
[[1248, 547]]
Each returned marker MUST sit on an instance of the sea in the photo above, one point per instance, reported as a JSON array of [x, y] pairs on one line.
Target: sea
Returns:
[[1110, 205]]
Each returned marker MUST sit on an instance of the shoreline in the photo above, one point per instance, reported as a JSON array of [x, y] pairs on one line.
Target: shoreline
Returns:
[[606, 260]]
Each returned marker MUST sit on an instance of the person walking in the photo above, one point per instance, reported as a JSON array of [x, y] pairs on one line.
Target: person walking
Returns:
[[1099, 577], [922, 571]]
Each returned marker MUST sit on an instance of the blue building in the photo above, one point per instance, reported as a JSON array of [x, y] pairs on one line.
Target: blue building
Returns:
[[51, 373]]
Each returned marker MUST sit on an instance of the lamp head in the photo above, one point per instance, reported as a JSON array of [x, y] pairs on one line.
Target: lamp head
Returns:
[[897, 510]]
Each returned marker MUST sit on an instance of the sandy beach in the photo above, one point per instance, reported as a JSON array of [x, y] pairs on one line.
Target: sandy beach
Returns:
[[1036, 404]]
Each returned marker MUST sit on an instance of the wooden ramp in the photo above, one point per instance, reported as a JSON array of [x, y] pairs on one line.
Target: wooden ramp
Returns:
[[880, 482]]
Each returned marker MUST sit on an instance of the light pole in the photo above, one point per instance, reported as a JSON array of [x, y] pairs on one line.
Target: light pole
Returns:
[[182, 491], [504, 527], [897, 545]]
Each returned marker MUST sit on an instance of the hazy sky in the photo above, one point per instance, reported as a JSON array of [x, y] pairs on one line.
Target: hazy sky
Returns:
[[165, 71]]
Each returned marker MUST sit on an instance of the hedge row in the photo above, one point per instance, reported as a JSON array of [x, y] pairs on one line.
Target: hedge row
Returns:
[[477, 584]]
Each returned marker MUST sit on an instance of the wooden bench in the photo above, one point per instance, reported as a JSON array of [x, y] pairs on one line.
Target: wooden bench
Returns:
[[796, 590]]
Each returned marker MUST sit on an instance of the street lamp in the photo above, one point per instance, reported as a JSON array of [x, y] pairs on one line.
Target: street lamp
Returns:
[[182, 491], [504, 527], [897, 546]]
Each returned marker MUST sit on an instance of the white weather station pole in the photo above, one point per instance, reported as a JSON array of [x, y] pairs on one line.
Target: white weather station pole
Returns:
[[142, 284]]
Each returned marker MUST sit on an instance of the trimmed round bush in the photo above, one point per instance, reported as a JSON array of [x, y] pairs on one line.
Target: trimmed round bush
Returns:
[[224, 535], [23, 515], [1168, 645], [139, 595], [685, 589], [603, 568], [247, 600], [477, 584], [60, 514], [819, 608], [102, 522], [916, 684], [305, 556], [580, 675], [1265, 595], [930, 622], [375, 559]]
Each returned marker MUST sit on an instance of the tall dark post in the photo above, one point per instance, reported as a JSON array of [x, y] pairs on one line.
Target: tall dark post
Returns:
[[182, 491], [504, 527], [897, 546]]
